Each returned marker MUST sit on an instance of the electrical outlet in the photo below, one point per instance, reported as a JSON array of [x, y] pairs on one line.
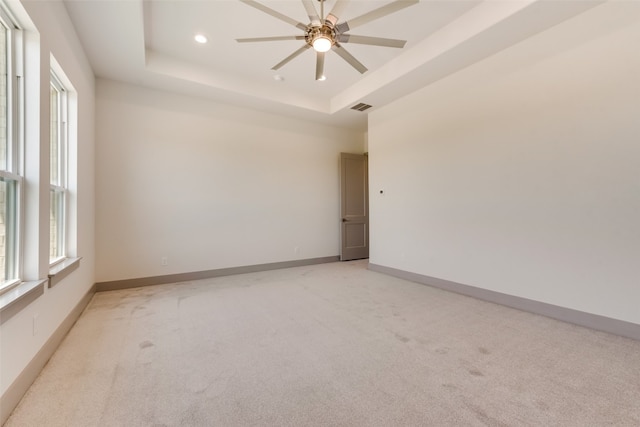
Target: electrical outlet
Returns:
[[296, 250], [164, 260]]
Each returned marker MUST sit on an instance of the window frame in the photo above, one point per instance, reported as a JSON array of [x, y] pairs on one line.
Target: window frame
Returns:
[[59, 190], [11, 172]]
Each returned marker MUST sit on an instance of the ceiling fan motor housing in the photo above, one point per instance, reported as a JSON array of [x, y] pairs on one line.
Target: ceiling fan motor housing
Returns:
[[323, 32]]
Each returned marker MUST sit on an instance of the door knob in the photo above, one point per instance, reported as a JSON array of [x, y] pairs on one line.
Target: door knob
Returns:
[[344, 220]]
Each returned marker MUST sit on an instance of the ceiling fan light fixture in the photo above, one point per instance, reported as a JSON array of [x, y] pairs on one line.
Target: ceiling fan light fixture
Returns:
[[322, 44]]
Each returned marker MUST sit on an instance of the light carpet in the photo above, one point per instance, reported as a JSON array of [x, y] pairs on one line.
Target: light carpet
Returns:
[[327, 345]]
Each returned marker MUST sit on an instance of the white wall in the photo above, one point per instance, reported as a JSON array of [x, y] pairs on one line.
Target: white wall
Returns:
[[521, 173], [56, 36], [210, 186]]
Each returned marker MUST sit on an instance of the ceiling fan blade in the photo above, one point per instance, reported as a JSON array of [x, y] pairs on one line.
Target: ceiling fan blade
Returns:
[[334, 16], [374, 41], [274, 13], [269, 39], [290, 57], [320, 66], [375, 14], [312, 12], [349, 58]]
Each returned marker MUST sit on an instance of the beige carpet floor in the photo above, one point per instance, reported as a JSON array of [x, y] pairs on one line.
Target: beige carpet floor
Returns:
[[327, 345]]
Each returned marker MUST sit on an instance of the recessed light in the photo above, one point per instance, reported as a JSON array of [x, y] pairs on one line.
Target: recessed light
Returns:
[[200, 38], [278, 78]]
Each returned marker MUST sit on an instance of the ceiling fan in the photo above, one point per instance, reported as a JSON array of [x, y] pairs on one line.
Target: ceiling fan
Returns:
[[324, 33]]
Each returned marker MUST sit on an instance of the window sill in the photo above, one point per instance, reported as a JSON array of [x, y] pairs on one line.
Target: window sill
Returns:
[[16, 299], [62, 269]]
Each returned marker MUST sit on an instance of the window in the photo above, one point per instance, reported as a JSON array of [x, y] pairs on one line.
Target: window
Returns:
[[58, 171], [10, 177]]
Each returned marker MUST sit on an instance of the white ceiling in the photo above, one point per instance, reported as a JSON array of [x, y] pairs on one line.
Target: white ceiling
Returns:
[[150, 43]]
